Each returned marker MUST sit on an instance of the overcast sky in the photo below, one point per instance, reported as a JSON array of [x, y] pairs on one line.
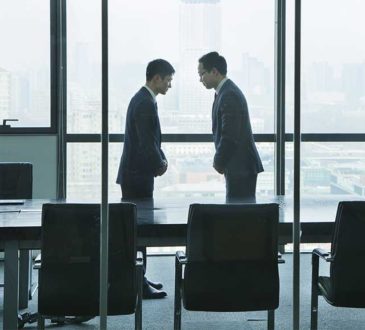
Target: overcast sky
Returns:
[[332, 30]]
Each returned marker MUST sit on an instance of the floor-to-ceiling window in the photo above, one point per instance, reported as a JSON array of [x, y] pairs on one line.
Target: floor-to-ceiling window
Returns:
[[333, 88], [332, 103], [180, 31]]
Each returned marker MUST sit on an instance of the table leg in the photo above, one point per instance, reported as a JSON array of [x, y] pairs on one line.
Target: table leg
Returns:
[[11, 291], [24, 277]]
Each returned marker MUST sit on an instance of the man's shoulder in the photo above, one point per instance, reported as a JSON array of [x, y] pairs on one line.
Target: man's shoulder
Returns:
[[142, 97], [142, 94], [231, 94], [231, 90], [230, 87]]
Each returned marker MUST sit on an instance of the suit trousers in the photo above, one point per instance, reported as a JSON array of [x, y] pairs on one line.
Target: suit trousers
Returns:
[[140, 188], [137, 186], [241, 188]]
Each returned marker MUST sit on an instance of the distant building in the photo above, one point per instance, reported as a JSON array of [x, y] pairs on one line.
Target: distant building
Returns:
[[5, 93], [200, 33]]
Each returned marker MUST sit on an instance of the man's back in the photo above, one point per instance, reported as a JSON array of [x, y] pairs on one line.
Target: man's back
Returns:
[[232, 132], [142, 140]]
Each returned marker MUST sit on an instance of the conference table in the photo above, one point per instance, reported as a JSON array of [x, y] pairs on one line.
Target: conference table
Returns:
[[160, 222]]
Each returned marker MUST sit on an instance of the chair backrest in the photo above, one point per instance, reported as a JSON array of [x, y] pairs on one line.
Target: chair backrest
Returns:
[[70, 246], [347, 271], [16, 180], [232, 257]]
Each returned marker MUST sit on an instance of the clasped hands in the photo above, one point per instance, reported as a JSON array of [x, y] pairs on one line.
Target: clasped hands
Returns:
[[218, 169], [162, 169]]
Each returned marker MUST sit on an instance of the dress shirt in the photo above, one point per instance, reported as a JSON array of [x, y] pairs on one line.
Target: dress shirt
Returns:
[[220, 85], [151, 92]]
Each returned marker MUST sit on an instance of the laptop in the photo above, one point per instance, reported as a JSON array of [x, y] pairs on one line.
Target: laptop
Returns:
[[12, 201]]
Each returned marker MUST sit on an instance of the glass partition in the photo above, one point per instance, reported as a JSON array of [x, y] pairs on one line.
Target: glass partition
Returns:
[[83, 66]]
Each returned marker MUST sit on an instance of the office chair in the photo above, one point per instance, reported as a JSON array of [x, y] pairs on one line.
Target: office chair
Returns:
[[345, 286], [16, 182], [231, 261], [69, 272]]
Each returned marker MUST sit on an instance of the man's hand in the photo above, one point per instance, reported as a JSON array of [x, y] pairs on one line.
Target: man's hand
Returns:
[[162, 169], [218, 169]]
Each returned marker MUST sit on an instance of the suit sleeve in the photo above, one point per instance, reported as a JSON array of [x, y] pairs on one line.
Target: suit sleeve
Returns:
[[231, 120], [148, 133], [163, 155]]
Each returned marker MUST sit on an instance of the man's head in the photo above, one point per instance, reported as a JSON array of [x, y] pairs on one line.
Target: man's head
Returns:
[[159, 76], [212, 69]]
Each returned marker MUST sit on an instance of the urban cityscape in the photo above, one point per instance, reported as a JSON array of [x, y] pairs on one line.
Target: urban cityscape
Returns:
[[333, 101]]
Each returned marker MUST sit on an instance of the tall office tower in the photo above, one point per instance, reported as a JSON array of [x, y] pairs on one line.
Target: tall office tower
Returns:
[[321, 77], [39, 97], [81, 70], [200, 33], [256, 76], [20, 95], [353, 82], [5, 87]]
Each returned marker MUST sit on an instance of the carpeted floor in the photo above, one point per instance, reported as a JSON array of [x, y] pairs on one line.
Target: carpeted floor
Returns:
[[158, 314]]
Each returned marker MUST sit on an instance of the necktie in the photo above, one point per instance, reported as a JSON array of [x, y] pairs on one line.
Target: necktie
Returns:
[[215, 98]]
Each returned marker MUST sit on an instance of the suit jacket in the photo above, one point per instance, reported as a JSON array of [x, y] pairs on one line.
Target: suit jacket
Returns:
[[142, 154], [235, 147]]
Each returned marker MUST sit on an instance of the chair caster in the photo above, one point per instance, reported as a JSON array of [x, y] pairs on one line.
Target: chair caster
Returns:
[[61, 320], [26, 318]]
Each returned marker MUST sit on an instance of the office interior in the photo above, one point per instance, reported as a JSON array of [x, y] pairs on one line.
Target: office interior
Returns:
[[300, 64]]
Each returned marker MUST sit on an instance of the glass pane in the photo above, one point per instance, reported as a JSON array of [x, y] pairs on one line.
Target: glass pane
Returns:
[[84, 170], [25, 62], [330, 172], [83, 66], [289, 67], [183, 32], [190, 171], [333, 66], [333, 169]]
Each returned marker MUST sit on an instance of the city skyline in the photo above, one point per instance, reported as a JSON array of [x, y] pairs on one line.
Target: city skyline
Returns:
[[333, 83]]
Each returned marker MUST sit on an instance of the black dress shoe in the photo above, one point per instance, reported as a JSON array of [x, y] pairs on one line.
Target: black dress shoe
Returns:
[[155, 285], [149, 292]]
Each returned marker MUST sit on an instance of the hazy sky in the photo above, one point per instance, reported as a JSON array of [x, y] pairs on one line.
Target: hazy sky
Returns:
[[24, 33], [332, 30]]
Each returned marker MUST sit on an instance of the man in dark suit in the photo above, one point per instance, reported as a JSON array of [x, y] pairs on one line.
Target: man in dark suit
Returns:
[[142, 158], [236, 155]]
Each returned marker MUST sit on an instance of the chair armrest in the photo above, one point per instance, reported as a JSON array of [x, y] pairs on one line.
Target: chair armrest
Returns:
[[181, 257], [139, 258], [280, 260], [322, 254]]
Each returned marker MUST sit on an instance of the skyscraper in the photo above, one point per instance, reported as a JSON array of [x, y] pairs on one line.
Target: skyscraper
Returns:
[[200, 33], [5, 87]]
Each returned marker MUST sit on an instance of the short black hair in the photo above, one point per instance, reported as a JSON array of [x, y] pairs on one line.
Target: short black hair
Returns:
[[160, 67], [214, 60]]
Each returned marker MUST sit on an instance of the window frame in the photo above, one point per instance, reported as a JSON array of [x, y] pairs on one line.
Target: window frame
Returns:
[[54, 83]]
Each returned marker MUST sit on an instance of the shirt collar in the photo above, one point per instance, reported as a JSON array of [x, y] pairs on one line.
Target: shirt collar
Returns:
[[151, 92], [220, 85]]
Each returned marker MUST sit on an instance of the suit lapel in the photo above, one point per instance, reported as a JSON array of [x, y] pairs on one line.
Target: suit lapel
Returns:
[[158, 124], [216, 105], [214, 113], [148, 95]]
